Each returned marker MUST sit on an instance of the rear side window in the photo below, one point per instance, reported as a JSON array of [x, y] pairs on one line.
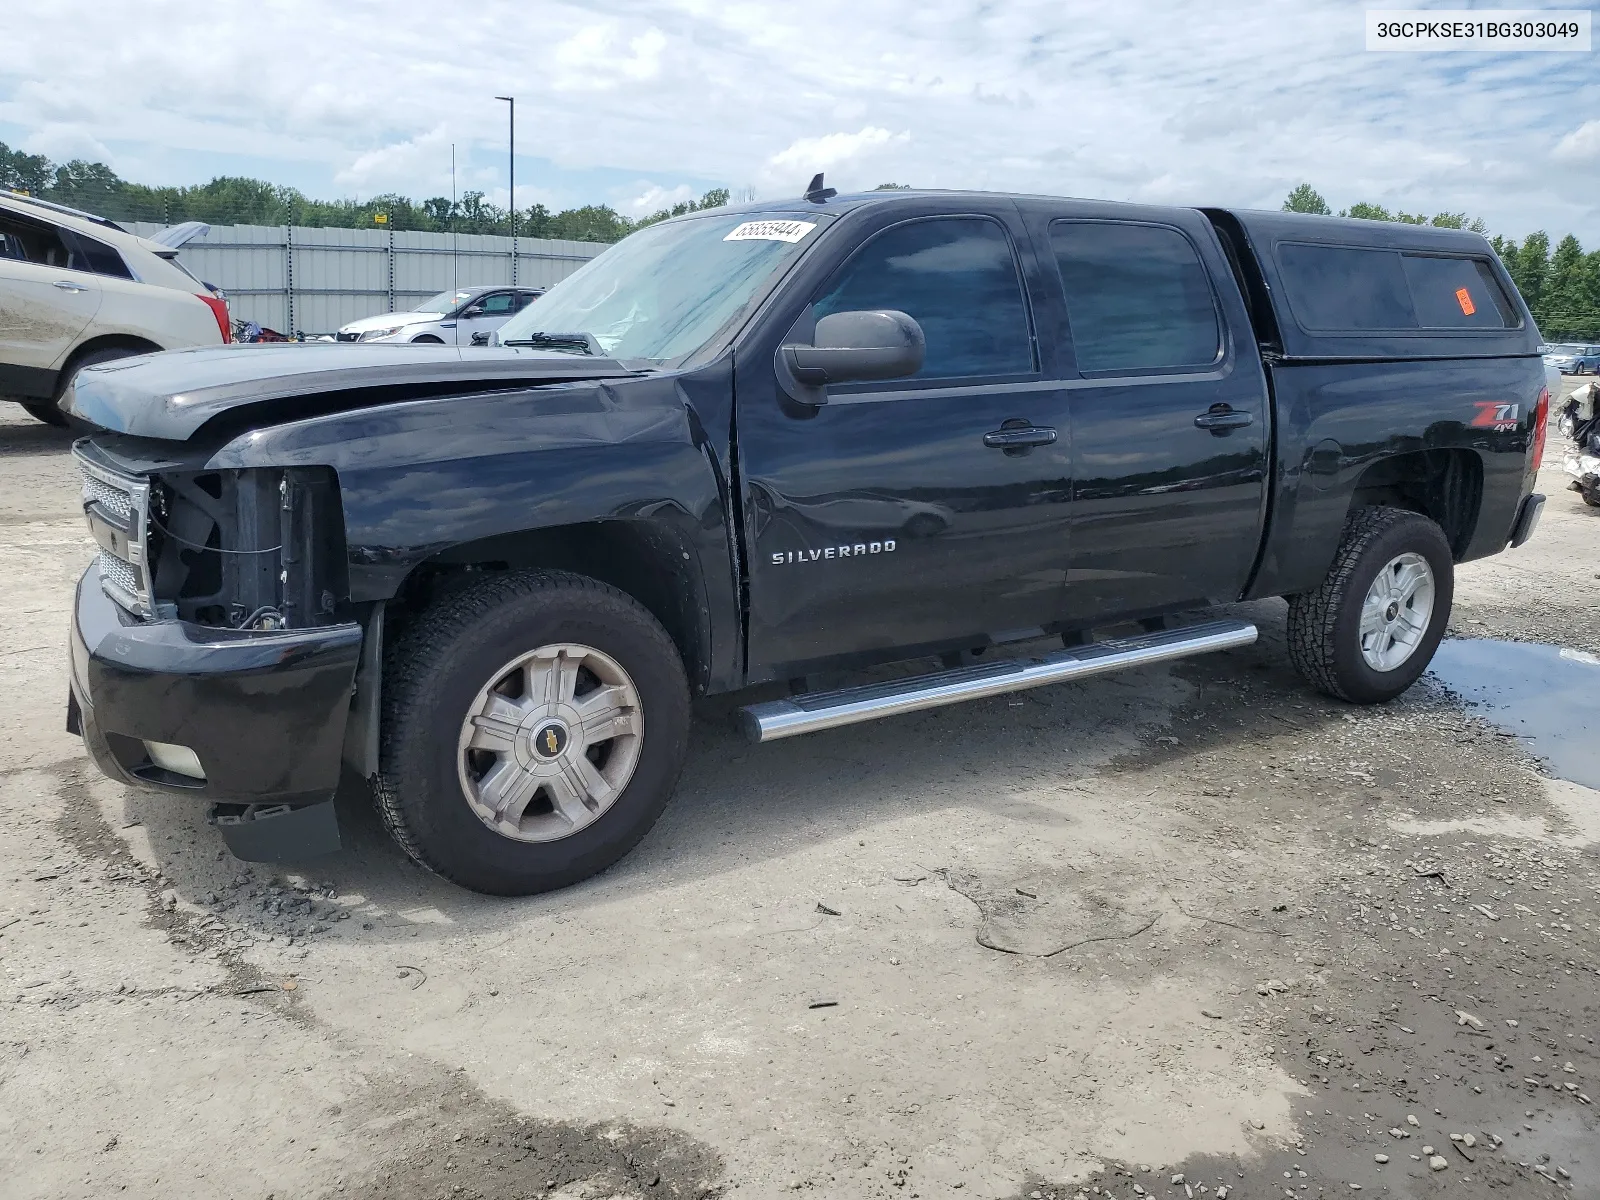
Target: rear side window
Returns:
[[1351, 289], [98, 257], [958, 278], [1456, 293], [1138, 298]]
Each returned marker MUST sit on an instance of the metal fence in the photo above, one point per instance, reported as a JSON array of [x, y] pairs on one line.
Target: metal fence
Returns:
[[314, 280]]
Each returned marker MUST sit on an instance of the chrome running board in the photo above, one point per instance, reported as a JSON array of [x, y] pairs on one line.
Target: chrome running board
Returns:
[[827, 710]]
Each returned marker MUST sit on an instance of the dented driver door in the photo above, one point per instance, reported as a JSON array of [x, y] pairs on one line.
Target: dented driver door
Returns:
[[912, 514]]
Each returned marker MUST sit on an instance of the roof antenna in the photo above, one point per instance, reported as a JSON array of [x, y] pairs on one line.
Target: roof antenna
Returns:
[[816, 193]]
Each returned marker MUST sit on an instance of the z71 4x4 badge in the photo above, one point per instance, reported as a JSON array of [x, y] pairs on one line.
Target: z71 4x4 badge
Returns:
[[1494, 415], [782, 558]]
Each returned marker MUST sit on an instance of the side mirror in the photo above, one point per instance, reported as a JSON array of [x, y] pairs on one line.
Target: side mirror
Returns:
[[851, 347], [472, 310], [481, 338]]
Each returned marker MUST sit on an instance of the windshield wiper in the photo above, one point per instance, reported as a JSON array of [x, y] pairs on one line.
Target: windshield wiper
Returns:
[[584, 343]]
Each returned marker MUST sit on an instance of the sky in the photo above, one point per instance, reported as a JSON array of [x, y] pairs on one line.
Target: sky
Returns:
[[641, 103]]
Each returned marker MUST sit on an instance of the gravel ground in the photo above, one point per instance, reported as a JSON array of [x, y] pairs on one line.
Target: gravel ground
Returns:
[[1087, 940]]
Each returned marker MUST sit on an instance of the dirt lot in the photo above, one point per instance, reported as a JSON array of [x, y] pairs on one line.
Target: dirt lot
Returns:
[[1196, 922]]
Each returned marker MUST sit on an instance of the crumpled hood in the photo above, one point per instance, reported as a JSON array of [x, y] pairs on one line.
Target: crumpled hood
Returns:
[[172, 394], [390, 320]]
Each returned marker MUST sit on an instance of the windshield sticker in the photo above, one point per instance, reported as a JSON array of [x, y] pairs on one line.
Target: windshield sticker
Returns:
[[771, 231]]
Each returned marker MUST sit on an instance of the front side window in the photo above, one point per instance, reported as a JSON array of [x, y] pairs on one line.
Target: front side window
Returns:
[[957, 277], [1138, 297]]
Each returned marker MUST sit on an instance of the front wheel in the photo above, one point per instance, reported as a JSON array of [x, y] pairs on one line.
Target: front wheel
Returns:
[[1370, 630], [534, 727]]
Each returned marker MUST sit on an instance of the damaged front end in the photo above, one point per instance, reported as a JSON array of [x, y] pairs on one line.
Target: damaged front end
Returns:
[[213, 652]]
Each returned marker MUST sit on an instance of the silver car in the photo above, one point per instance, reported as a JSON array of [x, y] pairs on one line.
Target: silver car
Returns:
[[451, 317]]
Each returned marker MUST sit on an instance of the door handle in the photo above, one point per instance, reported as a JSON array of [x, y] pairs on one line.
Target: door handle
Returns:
[[67, 285], [1017, 436], [1221, 419]]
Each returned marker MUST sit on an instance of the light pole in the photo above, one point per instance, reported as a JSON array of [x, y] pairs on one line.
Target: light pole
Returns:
[[511, 162]]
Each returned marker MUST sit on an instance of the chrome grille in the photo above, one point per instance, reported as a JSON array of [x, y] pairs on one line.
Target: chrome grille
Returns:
[[118, 576], [128, 501], [112, 499]]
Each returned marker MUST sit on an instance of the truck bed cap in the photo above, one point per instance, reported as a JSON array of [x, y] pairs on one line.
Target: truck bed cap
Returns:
[[1345, 288]]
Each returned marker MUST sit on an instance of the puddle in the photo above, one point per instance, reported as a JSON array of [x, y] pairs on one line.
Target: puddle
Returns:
[[1561, 1140], [1539, 693]]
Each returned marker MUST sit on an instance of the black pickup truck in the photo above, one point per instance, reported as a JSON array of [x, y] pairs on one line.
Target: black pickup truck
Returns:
[[757, 444]]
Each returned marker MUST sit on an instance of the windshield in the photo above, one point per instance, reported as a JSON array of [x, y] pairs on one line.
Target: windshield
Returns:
[[445, 301], [669, 289], [1565, 348]]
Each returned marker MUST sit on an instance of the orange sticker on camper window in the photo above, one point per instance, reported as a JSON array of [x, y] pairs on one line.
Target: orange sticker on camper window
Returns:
[[1464, 298]]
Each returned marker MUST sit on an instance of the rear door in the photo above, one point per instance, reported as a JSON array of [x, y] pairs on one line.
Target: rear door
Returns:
[[47, 299], [897, 515], [1170, 417]]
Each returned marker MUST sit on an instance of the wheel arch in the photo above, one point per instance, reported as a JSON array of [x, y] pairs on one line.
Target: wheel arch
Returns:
[[1444, 485], [649, 560], [104, 341]]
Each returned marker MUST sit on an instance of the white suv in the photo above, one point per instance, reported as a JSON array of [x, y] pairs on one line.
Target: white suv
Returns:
[[76, 289]]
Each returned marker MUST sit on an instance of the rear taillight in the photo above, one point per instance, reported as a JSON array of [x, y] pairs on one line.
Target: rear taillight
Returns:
[[219, 310], [1541, 419]]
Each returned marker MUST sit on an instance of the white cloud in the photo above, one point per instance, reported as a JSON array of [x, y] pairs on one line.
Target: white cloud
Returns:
[[1581, 145], [1184, 101], [831, 149], [602, 57], [401, 165], [64, 142], [655, 198]]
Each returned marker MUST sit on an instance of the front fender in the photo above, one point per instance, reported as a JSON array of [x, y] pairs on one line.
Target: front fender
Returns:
[[419, 477]]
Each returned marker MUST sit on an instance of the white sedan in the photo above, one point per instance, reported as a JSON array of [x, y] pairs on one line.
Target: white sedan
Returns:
[[450, 317]]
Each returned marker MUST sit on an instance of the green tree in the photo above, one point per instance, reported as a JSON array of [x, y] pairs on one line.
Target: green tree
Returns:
[[21, 172], [1304, 199], [1567, 307], [715, 198], [1367, 212], [1532, 269]]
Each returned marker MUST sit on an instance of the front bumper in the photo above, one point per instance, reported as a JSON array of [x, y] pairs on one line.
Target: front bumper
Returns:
[[263, 712]]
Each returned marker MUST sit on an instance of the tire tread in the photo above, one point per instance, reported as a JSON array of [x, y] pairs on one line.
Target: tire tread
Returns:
[[1314, 615]]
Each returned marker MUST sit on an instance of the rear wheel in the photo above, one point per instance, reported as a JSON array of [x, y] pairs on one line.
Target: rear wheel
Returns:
[[46, 411], [1371, 628], [534, 727]]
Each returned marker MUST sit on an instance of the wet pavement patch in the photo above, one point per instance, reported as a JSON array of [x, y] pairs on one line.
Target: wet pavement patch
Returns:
[[1539, 694], [481, 1150]]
